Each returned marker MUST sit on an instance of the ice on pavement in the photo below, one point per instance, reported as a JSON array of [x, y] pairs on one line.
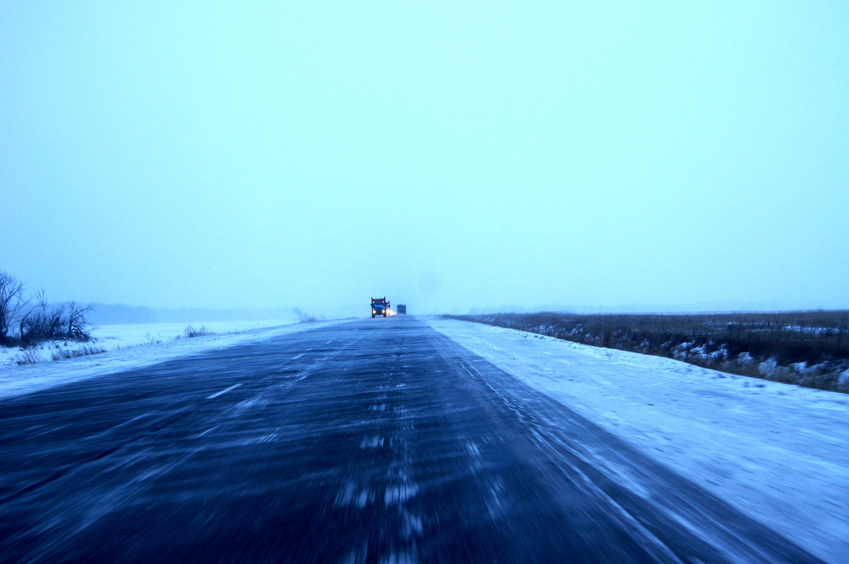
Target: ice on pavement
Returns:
[[774, 451], [131, 346]]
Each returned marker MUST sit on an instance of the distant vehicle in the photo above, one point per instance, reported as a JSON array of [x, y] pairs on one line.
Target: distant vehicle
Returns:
[[402, 309], [379, 306]]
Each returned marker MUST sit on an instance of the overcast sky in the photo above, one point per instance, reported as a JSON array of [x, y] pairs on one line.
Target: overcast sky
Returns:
[[449, 155]]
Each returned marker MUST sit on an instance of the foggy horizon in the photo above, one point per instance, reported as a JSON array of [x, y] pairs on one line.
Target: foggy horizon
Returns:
[[452, 158]]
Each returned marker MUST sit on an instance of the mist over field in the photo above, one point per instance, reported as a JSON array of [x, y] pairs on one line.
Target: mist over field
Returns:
[[456, 158], [107, 314]]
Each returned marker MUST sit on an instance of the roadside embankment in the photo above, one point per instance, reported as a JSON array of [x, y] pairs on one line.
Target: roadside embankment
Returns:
[[806, 348]]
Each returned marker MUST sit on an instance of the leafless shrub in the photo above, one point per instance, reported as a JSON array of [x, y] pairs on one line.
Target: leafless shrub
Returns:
[[201, 331], [41, 322], [304, 317], [44, 322], [77, 325]]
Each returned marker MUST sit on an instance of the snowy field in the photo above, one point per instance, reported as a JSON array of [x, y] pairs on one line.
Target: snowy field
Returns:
[[135, 334], [129, 346], [775, 451]]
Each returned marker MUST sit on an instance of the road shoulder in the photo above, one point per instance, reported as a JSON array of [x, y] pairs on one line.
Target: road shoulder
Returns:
[[775, 452], [24, 379]]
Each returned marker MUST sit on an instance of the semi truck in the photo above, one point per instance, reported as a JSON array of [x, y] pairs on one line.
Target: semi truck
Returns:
[[379, 306]]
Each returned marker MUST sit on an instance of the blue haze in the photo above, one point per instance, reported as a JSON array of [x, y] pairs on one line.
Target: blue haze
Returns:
[[586, 155]]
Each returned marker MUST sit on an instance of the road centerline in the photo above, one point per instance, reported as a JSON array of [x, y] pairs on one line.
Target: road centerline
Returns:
[[222, 392]]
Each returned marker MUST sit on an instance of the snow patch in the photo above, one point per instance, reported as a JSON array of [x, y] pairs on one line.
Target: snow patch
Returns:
[[372, 442], [776, 452], [128, 347], [843, 381]]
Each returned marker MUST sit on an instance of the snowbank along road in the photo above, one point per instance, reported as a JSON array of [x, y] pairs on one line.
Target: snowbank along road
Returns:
[[370, 441]]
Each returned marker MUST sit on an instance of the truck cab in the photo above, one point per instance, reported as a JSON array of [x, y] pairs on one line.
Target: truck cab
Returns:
[[379, 306]]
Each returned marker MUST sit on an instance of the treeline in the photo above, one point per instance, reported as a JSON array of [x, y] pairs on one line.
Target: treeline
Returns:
[[808, 348], [29, 320]]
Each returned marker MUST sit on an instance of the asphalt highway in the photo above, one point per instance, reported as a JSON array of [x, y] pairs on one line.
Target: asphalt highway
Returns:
[[372, 441]]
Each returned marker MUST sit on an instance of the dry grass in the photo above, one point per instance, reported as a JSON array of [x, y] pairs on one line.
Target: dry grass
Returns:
[[28, 356], [808, 348], [192, 332], [64, 354]]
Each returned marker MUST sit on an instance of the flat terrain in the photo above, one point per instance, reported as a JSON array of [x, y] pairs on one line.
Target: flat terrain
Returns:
[[806, 348], [376, 440]]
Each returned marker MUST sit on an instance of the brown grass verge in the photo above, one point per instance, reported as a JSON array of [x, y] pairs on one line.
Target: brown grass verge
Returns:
[[807, 348]]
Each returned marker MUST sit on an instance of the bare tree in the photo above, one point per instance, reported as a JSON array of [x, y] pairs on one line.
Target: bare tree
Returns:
[[45, 323], [11, 303], [77, 323], [41, 323]]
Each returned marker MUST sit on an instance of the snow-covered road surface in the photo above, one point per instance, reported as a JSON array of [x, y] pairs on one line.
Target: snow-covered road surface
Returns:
[[370, 441]]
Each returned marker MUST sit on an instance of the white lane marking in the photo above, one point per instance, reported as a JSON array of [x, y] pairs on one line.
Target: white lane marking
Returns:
[[299, 356], [328, 342], [211, 429], [222, 392]]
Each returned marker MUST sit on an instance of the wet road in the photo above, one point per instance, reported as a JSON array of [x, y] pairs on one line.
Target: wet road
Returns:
[[372, 441]]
